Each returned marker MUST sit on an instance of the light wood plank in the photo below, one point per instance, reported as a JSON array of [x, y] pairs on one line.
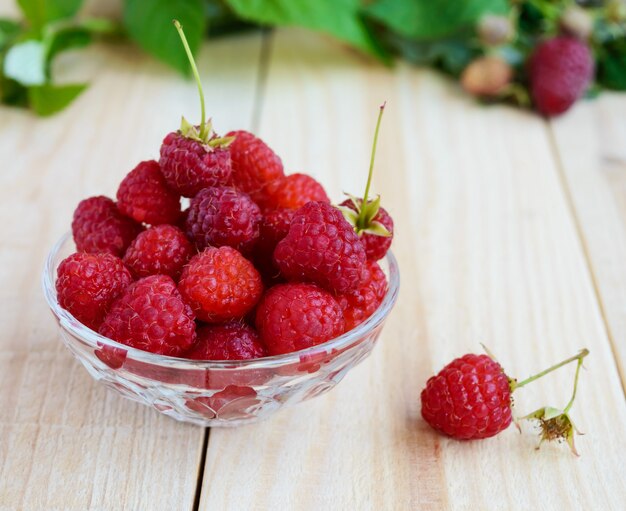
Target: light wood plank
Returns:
[[66, 443], [488, 252], [591, 143]]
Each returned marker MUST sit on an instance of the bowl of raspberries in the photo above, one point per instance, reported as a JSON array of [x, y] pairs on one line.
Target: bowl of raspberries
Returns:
[[215, 288]]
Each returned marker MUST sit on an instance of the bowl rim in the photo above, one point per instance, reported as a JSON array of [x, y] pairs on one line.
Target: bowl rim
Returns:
[[68, 322]]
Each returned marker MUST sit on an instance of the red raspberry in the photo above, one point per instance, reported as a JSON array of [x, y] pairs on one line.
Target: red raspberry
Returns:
[[376, 247], [321, 247], [274, 227], [291, 192], [561, 69], [254, 163], [98, 226], [360, 304], [151, 316], [220, 285], [232, 341], [293, 317], [144, 196], [87, 285], [222, 216], [189, 166], [162, 249], [469, 398]]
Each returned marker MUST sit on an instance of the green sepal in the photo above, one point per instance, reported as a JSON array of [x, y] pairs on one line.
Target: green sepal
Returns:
[[371, 210], [377, 229], [188, 130], [555, 424], [349, 214], [221, 142]]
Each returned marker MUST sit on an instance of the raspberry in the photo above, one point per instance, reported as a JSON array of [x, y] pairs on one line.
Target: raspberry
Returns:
[[144, 196], [232, 341], [321, 247], [87, 285], [291, 192], [376, 247], [561, 69], [274, 227], [254, 163], [98, 226], [162, 249], [220, 285], [360, 304], [222, 216], [189, 166], [469, 398], [151, 316], [293, 317]]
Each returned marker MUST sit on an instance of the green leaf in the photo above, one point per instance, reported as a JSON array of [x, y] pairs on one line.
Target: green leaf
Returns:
[[8, 30], [340, 18], [25, 63], [49, 99], [40, 12], [149, 23], [612, 65], [428, 19]]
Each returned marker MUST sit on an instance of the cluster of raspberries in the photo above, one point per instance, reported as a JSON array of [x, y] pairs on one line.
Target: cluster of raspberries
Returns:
[[259, 264]]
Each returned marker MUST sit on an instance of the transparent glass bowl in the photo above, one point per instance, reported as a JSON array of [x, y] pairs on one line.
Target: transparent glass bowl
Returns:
[[216, 393]]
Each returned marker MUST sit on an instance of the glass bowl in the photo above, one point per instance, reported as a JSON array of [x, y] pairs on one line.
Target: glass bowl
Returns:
[[216, 393]]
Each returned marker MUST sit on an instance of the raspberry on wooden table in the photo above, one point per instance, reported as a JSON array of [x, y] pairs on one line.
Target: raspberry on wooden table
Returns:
[[162, 249], [360, 304], [223, 216], [87, 285], [293, 317], [144, 196], [560, 69], [220, 285], [469, 398], [321, 247], [230, 341], [151, 316], [254, 163], [98, 226], [291, 192]]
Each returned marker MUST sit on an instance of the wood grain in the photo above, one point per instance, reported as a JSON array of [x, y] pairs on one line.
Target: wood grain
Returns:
[[591, 145], [66, 443], [488, 251]]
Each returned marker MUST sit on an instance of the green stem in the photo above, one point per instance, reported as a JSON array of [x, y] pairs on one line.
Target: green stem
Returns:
[[363, 212], [571, 401], [583, 353], [194, 70]]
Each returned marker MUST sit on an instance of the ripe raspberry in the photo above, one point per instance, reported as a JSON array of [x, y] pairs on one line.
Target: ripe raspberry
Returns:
[[220, 285], [220, 216], [561, 69], [376, 247], [144, 196], [293, 317], [321, 247], [151, 316], [162, 249], [87, 285], [254, 163], [98, 226], [231, 341], [469, 398], [274, 227], [291, 192], [189, 166], [360, 304]]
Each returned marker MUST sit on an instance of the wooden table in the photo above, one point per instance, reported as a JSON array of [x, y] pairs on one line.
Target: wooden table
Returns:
[[511, 231]]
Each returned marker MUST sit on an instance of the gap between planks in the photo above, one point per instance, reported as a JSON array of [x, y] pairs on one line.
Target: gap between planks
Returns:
[[569, 200]]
